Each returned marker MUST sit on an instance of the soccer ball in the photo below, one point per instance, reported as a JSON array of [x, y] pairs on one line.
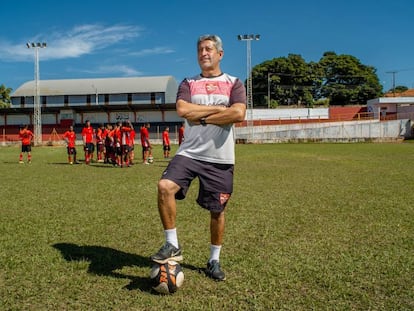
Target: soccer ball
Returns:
[[167, 278], [150, 159]]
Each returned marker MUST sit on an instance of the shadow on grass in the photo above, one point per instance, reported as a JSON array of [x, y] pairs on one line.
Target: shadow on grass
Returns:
[[105, 261]]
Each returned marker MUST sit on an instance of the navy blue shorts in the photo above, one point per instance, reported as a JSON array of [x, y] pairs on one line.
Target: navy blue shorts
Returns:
[[26, 148], [118, 151], [126, 148], [216, 181], [89, 147], [71, 150]]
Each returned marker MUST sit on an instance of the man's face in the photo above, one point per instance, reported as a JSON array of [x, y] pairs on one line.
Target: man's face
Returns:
[[208, 56]]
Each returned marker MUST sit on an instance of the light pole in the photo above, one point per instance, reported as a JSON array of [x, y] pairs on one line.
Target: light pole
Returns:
[[268, 89], [37, 111], [248, 39], [96, 94], [393, 81]]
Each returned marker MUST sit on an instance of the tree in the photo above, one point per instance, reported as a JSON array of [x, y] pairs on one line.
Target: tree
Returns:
[[347, 81], [5, 100], [288, 80], [337, 79]]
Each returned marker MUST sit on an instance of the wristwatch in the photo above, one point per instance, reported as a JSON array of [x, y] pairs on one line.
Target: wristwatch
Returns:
[[203, 121]]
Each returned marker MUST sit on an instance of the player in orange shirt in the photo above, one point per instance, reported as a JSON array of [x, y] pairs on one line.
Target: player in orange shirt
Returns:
[[126, 129], [26, 137], [109, 141], [145, 143], [117, 136], [132, 146], [87, 137], [70, 138], [166, 142], [100, 147]]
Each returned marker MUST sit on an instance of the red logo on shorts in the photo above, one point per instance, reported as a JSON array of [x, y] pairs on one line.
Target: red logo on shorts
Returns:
[[224, 197]]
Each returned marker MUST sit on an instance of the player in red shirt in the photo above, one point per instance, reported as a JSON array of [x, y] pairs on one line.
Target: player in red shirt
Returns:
[[26, 137], [145, 143], [126, 129], [87, 137], [105, 133], [166, 142], [70, 138], [181, 134], [100, 147], [117, 136], [132, 146], [109, 144]]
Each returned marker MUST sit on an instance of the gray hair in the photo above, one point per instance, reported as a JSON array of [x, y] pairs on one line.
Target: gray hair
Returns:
[[216, 40]]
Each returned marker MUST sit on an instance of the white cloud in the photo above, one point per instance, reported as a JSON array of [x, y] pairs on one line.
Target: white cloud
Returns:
[[122, 70], [80, 40], [153, 51]]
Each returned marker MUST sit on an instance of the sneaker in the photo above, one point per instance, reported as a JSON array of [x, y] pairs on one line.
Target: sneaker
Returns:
[[214, 271], [21, 162], [166, 253]]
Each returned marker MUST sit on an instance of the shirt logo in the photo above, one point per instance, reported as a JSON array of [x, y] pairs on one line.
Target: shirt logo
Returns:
[[211, 87]]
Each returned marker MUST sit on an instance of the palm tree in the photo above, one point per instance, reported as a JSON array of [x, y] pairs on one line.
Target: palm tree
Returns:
[[5, 100]]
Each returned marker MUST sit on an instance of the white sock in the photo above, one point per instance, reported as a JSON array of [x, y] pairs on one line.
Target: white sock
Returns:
[[214, 252], [171, 236]]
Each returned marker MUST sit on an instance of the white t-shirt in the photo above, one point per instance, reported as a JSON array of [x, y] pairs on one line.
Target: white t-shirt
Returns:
[[210, 143]]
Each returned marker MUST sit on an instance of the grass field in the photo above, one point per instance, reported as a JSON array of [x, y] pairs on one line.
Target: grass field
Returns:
[[309, 227]]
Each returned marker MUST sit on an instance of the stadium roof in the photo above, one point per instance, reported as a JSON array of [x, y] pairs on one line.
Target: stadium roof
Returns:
[[159, 84]]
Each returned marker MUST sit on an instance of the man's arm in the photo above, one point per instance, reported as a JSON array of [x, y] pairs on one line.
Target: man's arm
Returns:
[[194, 112], [218, 115], [233, 114]]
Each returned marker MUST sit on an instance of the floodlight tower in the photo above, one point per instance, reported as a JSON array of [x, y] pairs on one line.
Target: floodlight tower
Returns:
[[248, 39], [37, 111], [393, 72]]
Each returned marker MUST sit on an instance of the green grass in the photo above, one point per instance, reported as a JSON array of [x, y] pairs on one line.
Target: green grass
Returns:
[[309, 227]]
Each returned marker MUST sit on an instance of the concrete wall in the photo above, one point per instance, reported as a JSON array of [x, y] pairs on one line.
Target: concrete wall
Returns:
[[290, 113], [348, 131]]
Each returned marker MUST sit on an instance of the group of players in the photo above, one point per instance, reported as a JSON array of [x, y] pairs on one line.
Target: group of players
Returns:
[[114, 144]]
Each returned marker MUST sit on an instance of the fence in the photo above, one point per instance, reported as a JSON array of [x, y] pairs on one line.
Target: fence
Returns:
[[362, 128], [348, 131]]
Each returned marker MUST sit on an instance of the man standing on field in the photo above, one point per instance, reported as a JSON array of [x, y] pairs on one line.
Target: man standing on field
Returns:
[[87, 136], [145, 143], [210, 103], [70, 138], [181, 134], [166, 142], [26, 137]]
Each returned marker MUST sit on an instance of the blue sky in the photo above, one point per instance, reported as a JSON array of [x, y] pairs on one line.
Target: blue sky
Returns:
[[100, 39]]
